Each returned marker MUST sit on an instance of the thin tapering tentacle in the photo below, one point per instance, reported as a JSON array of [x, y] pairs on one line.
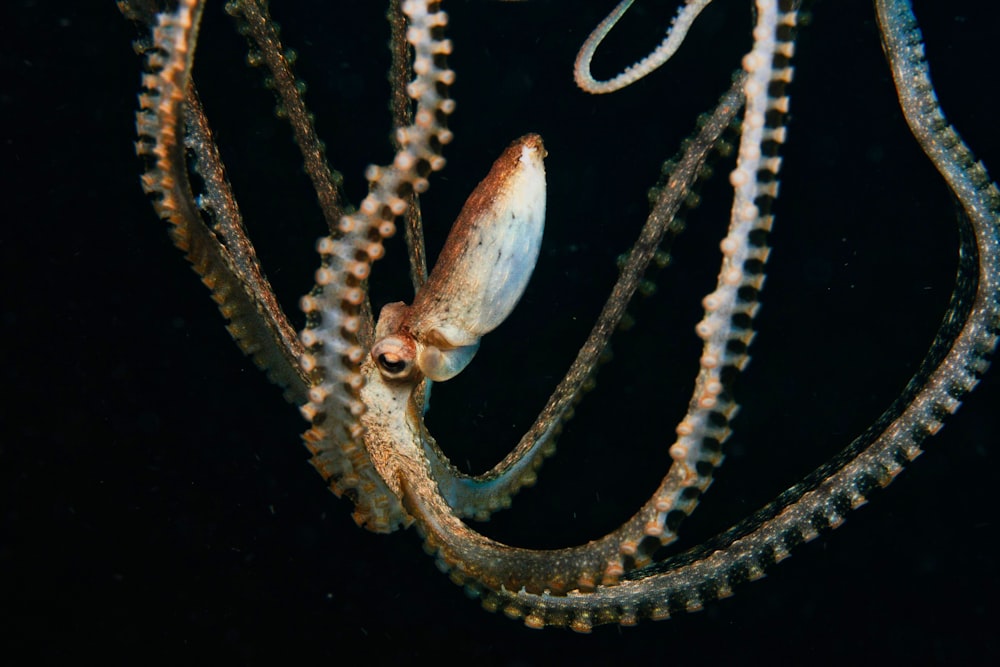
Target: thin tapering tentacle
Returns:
[[675, 37], [268, 51]]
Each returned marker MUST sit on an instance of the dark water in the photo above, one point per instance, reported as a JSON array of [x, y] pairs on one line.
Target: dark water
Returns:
[[154, 496]]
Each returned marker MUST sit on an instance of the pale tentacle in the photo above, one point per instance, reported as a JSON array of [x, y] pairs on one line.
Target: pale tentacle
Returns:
[[402, 115], [726, 328], [333, 354], [675, 36]]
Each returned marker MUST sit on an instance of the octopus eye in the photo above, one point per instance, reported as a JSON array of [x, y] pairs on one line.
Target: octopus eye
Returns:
[[393, 366], [393, 355]]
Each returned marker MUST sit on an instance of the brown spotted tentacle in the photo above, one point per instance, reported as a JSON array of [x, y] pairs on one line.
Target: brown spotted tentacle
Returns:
[[174, 139]]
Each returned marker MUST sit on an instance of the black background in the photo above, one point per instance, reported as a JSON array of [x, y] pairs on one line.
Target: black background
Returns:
[[156, 504]]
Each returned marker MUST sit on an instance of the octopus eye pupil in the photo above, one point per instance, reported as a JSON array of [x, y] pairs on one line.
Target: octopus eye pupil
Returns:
[[390, 366]]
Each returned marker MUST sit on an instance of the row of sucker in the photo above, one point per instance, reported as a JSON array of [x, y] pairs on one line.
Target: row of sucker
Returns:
[[333, 354], [726, 328]]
